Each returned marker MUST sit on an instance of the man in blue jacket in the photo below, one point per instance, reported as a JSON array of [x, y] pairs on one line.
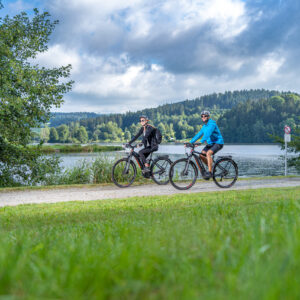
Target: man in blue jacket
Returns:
[[211, 134]]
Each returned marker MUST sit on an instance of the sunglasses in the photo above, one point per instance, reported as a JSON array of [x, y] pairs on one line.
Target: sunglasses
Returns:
[[204, 116], [142, 121]]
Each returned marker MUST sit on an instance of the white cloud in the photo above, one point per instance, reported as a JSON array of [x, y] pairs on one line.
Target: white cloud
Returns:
[[269, 67], [228, 16], [127, 55], [58, 55]]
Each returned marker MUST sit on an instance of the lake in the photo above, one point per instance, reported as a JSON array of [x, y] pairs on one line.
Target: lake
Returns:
[[252, 160]]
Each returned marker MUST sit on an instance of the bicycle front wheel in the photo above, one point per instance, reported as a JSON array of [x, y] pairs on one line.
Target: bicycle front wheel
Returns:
[[225, 173], [183, 174], [123, 173], [160, 171]]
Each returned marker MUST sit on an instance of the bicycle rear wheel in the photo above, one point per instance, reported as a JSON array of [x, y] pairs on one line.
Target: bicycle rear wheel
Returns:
[[160, 170], [183, 176], [225, 173], [122, 177]]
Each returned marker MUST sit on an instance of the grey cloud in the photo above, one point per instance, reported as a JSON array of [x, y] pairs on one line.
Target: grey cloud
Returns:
[[274, 27]]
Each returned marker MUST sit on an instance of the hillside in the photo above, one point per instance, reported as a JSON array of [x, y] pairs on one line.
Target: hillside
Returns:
[[58, 118], [254, 121], [245, 109]]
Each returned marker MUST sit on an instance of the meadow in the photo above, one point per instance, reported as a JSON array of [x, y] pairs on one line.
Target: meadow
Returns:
[[222, 245], [76, 148]]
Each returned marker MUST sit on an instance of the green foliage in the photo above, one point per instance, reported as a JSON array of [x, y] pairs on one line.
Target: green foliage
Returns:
[[25, 165], [255, 121], [58, 118], [182, 120], [79, 174], [231, 245], [75, 148], [45, 134], [63, 133], [109, 132], [53, 137], [96, 171], [27, 92]]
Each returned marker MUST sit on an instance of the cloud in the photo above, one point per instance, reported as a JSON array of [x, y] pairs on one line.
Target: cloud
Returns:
[[127, 55]]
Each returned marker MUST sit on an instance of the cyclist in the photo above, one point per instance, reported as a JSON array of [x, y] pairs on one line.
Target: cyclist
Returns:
[[211, 134], [149, 141]]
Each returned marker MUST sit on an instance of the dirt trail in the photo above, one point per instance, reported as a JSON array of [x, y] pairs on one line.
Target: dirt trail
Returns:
[[112, 192]]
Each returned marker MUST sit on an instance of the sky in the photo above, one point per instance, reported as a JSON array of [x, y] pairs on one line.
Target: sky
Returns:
[[133, 54]]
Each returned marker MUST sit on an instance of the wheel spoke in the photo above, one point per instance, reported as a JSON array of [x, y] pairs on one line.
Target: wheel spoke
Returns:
[[225, 173], [183, 176], [160, 171], [123, 174]]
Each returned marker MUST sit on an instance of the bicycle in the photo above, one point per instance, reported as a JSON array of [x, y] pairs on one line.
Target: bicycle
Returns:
[[184, 172], [124, 170]]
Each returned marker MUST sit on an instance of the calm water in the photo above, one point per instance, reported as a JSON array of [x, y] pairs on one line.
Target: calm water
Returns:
[[252, 160]]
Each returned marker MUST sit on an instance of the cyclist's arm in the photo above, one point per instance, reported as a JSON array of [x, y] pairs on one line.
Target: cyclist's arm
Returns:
[[136, 136], [197, 136], [208, 132]]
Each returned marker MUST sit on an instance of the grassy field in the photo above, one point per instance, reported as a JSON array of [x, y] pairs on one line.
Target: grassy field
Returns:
[[225, 245], [77, 148]]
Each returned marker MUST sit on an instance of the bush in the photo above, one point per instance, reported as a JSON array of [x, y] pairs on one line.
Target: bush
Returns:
[[101, 168], [79, 174]]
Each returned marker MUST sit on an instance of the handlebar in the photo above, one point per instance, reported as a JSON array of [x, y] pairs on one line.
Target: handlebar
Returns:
[[132, 146], [190, 145]]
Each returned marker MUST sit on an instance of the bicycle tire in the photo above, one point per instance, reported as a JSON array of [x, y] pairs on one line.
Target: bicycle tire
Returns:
[[178, 179], [225, 175], [117, 176], [162, 164]]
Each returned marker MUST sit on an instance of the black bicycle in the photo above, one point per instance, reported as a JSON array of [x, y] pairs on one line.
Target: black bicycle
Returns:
[[184, 172], [124, 170]]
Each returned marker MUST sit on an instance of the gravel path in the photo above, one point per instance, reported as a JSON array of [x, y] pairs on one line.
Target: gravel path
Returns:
[[113, 192]]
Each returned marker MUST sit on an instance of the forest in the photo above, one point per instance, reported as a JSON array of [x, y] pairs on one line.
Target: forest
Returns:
[[247, 116]]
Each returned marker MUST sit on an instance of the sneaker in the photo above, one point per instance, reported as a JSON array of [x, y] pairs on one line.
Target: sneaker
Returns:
[[146, 170], [207, 175]]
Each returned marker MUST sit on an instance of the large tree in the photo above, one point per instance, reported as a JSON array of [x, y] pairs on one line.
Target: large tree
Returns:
[[27, 91]]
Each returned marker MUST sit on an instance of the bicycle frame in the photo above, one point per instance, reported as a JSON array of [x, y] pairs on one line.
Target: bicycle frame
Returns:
[[134, 154], [199, 162]]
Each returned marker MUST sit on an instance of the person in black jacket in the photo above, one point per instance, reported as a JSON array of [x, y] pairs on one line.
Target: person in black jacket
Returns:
[[149, 140]]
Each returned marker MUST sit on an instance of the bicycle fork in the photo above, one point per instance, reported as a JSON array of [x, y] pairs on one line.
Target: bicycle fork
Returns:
[[185, 171], [125, 171]]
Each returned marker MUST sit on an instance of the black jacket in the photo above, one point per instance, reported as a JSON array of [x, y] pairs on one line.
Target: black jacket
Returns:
[[149, 136]]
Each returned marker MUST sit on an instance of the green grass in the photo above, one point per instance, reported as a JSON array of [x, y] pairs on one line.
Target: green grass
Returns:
[[77, 148], [224, 245]]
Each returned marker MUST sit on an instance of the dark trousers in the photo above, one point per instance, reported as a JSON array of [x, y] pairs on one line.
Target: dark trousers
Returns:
[[144, 153]]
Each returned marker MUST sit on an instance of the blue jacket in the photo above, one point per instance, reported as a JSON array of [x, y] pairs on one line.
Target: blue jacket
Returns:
[[211, 134]]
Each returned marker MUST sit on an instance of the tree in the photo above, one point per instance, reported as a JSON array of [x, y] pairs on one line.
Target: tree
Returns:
[[63, 133], [127, 135], [27, 91], [81, 135], [53, 135], [45, 134]]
